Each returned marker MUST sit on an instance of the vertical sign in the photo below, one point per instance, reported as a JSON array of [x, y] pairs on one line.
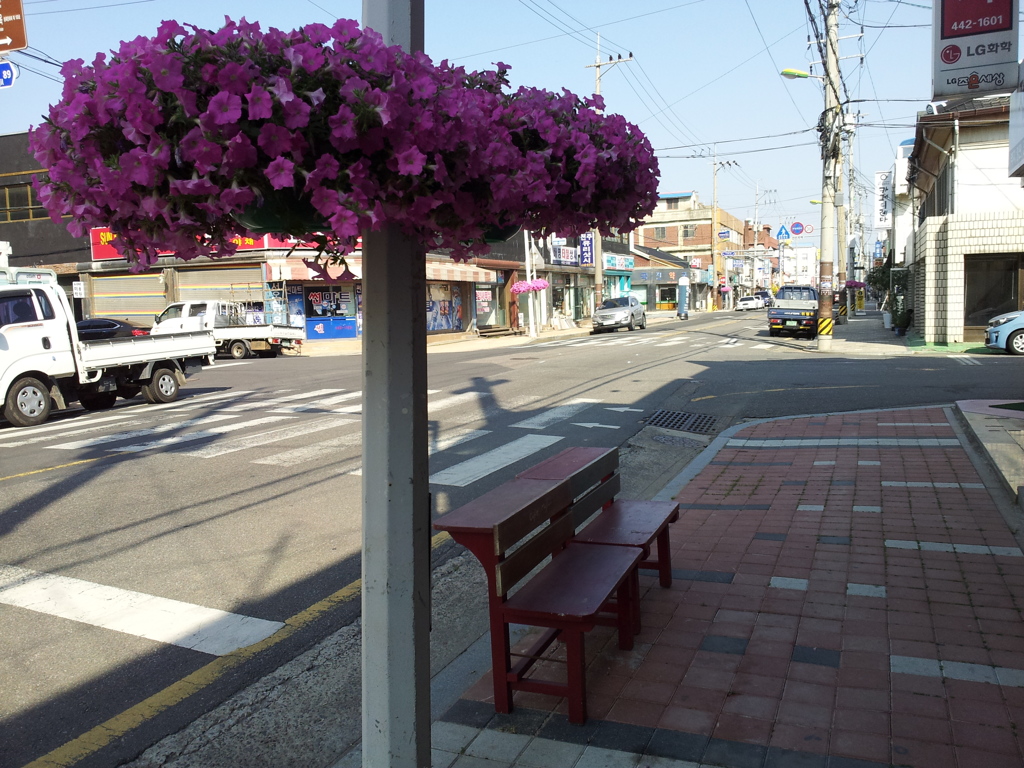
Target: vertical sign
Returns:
[[974, 47], [12, 27], [1016, 154], [883, 200], [587, 249]]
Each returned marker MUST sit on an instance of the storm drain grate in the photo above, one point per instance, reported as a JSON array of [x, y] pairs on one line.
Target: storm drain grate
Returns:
[[698, 423]]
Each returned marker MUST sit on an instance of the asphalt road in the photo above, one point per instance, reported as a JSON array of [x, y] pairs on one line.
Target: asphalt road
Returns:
[[118, 528]]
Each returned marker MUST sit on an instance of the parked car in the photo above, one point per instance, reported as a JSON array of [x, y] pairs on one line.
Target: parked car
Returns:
[[621, 312], [108, 328], [749, 302], [766, 297], [1006, 332]]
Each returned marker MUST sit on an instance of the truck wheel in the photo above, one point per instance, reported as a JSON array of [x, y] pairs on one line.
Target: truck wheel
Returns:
[[162, 388], [98, 401], [28, 403], [1015, 344], [238, 350]]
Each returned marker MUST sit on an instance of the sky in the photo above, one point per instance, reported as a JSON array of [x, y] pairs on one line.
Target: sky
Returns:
[[703, 85]]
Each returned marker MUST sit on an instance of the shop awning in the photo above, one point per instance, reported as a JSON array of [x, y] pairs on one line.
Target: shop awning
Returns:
[[459, 273]]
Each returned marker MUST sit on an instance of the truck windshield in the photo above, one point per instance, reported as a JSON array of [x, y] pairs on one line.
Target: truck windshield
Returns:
[[797, 294]]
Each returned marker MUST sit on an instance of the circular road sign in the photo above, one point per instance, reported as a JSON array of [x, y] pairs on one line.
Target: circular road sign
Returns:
[[796, 228]]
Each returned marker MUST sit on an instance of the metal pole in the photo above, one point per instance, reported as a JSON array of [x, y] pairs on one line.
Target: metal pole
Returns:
[[396, 507], [828, 181], [717, 296]]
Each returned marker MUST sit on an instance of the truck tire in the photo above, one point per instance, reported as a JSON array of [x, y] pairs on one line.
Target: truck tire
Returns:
[[162, 388], [97, 401], [238, 350], [1015, 344], [28, 403]]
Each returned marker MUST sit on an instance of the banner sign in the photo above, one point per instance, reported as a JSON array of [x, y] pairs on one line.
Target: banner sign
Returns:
[[883, 200], [974, 47], [567, 257], [587, 249]]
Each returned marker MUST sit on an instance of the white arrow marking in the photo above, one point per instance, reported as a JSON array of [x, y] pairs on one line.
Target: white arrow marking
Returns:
[[591, 426], [626, 410], [5, 41]]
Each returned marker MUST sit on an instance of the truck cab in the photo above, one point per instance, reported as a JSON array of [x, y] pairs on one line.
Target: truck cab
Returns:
[[795, 311]]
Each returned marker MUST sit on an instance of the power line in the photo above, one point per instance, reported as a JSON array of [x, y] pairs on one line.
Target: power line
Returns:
[[91, 8], [768, 50], [733, 141]]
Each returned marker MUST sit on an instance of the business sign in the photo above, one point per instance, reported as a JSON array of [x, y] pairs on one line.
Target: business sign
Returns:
[[8, 74], [723, 235], [883, 200], [618, 262], [587, 249], [12, 27], [101, 243], [974, 47], [1016, 155], [566, 257]]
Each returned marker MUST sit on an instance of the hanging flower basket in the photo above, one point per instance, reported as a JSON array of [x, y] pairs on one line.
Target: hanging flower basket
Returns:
[[177, 142], [529, 286]]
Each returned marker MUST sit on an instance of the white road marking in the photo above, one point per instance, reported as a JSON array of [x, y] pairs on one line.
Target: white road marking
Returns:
[[140, 432], [965, 360], [322, 404], [206, 630], [556, 414], [254, 404], [190, 437], [480, 466], [69, 433], [670, 343], [309, 452], [463, 398], [443, 444], [593, 425], [762, 346], [263, 438]]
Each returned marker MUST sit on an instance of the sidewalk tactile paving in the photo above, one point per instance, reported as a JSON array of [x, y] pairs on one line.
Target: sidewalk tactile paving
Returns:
[[851, 600]]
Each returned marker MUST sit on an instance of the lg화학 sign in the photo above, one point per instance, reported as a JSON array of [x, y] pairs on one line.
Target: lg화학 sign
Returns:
[[974, 47]]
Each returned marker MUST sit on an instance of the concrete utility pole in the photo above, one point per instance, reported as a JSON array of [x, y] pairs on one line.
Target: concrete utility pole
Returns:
[[717, 266], [598, 251], [396, 505], [830, 143]]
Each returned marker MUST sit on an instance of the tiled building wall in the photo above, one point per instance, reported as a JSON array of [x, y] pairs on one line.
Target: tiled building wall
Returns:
[[942, 244]]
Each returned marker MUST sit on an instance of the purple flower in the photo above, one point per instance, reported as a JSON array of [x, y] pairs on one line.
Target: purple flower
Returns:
[[233, 78], [275, 140], [225, 108], [261, 103], [281, 173], [411, 161]]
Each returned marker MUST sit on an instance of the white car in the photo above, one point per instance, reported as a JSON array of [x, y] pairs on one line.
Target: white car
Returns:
[[749, 302]]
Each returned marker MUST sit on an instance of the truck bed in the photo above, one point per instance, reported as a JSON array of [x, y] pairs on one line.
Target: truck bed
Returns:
[[231, 332], [132, 350]]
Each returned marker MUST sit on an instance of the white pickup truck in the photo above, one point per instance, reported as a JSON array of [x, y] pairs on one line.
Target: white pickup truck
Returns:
[[234, 330], [43, 362]]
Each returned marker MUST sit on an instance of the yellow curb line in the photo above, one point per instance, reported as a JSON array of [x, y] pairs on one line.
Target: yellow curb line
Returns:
[[96, 738]]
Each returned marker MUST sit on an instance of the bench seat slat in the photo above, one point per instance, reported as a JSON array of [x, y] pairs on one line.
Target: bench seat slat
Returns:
[[630, 523], [575, 584]]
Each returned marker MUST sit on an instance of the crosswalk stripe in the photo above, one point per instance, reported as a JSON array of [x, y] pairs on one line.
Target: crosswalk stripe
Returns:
[[207, 630], [323, 404], [443, 444], [462, 398], [309, 452], [965, 360], [253, 404], [263, 438], [556, 414], [762, 346], [670, 343], [69, 433], [191, 437], [471, 470], [131, 434]]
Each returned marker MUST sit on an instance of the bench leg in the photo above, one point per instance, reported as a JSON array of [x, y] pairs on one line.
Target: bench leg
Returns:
[[501, 664], [664, 559], [576, 676], [626, 609]]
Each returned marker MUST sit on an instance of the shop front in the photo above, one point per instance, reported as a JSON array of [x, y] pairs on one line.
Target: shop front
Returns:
[[618, 275]]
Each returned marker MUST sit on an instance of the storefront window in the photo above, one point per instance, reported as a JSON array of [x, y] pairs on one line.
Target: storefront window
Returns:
[[333, 301], [444, 307], [992, 287], [667, 294]]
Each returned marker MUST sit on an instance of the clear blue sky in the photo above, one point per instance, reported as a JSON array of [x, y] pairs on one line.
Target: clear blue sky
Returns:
[[705, 73]]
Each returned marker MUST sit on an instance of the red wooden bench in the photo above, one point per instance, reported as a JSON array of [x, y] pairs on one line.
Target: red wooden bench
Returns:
[[594, 482], [512, 530]]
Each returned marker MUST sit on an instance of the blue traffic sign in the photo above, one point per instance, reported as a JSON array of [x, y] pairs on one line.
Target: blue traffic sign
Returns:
[[783, 233], [8, 74], [797, 228]]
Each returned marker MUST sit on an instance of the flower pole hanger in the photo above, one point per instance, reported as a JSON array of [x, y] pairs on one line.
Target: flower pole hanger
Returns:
[[183, 141]]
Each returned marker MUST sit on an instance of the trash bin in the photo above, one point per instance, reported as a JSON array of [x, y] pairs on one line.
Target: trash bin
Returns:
[[887, 320]]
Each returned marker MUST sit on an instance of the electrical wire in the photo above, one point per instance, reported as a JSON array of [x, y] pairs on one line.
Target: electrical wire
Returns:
[[91, 7], [768, 50]]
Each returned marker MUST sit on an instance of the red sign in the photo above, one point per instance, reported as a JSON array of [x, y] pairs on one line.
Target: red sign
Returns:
[[961, 18], [12, 27], [102, 242]]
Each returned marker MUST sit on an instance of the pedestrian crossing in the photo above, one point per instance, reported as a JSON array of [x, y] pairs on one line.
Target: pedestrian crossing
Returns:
[[290, 429]]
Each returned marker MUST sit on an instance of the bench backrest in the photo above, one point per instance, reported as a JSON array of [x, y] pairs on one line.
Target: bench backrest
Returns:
[[525, 538], [592, 474]]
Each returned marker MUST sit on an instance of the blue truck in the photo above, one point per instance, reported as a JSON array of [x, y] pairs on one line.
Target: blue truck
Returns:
[[1006, 332], [794, 311]]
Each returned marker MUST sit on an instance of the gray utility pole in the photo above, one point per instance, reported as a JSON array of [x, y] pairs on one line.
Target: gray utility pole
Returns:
[[831, 124], [757, 199], [598, 252], [396, 505], [716, 259]]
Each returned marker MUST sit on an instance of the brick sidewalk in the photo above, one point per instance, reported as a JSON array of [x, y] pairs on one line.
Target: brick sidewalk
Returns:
[[846, 595]]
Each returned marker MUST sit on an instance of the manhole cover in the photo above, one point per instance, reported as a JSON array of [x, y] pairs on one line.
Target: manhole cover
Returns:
[[698, 423]]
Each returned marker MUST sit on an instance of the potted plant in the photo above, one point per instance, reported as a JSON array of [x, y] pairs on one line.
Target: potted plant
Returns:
[[184, 140]]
